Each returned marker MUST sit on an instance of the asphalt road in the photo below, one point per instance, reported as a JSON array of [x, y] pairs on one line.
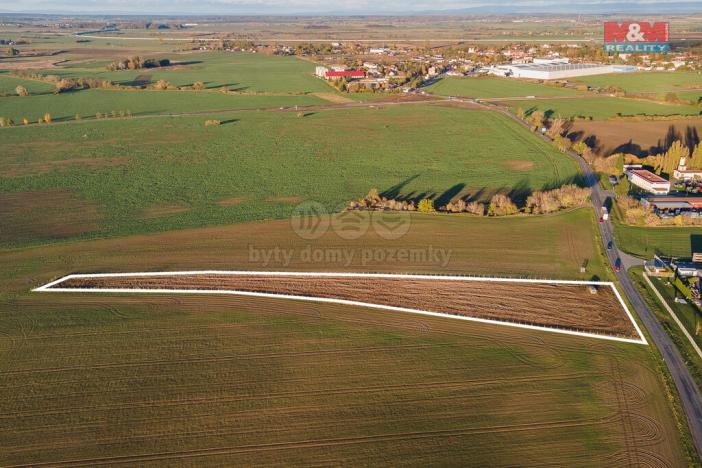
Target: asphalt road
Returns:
[[689, 393]]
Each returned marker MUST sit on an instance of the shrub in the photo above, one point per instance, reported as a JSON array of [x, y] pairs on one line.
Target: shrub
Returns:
[[21, 91], [198, 85], [25, 121], [77, 117], [426, 206], [501, 205], [209, 123], [162, 84], [562, 143], [567, 196], [47, 118]]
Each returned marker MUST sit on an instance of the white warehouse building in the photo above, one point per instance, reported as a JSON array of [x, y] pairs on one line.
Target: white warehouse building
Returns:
[[556, 70]]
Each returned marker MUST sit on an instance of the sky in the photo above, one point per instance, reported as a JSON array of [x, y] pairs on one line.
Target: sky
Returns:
[[278, 7]]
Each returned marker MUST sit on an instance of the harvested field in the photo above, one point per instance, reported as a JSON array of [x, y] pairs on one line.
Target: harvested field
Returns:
[[46, 214], [242, 381], [642, 138], [333, 97], [567, 306]]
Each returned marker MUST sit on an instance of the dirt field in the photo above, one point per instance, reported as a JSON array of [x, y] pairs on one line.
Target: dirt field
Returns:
[[46, 214], [222, 381], [572, 307], [642, 138]]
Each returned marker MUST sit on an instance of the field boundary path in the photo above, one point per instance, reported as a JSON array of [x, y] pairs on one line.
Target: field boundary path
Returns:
[[225, 282], [690, 395]]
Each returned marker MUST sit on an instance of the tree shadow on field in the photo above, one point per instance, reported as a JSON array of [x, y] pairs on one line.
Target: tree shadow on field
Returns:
[[189, 62], [696, 243], [230, 121], [395, 191], [447, 196], [530, 111], [519, 192]]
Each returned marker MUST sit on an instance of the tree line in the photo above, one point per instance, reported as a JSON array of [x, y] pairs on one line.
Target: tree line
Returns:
[[137, 62], [539, 202]]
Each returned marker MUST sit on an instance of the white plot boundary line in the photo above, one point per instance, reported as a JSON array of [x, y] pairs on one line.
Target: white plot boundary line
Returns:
[[49, 287]]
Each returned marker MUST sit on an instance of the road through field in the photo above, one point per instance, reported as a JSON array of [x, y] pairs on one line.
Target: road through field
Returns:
[[689, 393]]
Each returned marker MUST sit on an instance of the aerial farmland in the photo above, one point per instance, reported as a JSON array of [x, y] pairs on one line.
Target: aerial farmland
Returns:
[[238, 241]]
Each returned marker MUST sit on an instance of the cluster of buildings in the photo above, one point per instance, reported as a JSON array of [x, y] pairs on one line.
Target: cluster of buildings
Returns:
[[661, 202], [368, 76]]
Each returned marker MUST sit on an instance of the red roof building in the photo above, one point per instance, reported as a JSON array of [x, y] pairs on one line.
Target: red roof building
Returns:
[[649, 181], [345, 73]]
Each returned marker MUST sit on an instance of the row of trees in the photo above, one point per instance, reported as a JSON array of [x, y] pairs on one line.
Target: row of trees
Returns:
[[68, 84], [539, 202], [137, 62], [8, 122], [47, 118]]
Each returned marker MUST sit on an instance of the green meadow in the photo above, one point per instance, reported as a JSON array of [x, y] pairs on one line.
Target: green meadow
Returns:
[[237, 71], [162, 173], [87, 103], [9, 83], [688, 85], [494, 87], [649, 241]]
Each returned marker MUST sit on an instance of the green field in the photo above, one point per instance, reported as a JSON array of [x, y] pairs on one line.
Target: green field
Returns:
[[600, 108], [9, 83], [649, 241], [656, 83], [493, 87], [237, 71], [154, 174], [87, 103]]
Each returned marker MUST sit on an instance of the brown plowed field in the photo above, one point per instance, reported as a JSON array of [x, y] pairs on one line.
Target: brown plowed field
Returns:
[[553, 305], [642, 138]]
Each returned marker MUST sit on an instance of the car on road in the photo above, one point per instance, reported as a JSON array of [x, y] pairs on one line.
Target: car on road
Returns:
[[601, 221], [618, 265], [610, 244]]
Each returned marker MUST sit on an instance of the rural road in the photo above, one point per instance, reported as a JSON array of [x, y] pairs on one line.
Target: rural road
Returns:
[[689, 393]]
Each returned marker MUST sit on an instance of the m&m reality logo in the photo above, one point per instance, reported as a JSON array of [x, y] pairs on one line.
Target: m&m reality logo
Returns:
[[636, 37]]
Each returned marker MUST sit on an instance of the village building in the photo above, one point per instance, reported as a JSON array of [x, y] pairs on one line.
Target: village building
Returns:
[[667, 206], [648, 181], [683, 173]]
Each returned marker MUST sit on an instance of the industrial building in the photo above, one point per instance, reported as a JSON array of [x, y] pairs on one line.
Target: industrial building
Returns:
[[648, 181], [557, 69], [691, 206]]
